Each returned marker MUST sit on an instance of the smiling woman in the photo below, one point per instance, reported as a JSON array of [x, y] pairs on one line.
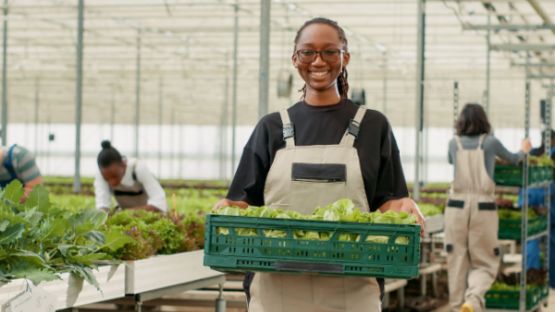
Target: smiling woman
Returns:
[[321, 54], [319, 150]]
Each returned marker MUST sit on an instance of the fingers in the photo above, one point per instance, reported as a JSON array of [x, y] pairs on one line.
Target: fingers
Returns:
[[221, 204]]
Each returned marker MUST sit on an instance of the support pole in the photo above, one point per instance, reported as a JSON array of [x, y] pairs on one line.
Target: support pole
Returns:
[[264, 84], [455, 100], [137, 94], [78, 98], [112, 113], [37, 103], [5, 76], [524, 219], [224, 123], [160, 121], [420, 79], [234, 91], [384, 91], [488, 68]]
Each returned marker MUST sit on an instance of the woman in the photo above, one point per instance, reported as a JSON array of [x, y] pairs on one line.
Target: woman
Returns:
[[129, 180], [471, 221], [320, 150]]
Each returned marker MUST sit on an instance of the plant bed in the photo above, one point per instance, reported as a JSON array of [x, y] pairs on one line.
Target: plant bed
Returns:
[[164, 271], [71, 291]]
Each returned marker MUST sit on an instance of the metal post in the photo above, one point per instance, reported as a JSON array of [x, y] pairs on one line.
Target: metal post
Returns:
[[234, 99], [112, 114], [264, 84], [419, 124], [223, 123], [524, 219], [172, 144], [78, 98], [547, 199], [455, 100], [160, 120], [5, 77], [37, 103], [488, 68], [181, 149], [384, 54], [137, 93]]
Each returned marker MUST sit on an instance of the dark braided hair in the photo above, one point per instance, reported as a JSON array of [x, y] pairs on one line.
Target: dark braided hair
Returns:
[[342, 82]]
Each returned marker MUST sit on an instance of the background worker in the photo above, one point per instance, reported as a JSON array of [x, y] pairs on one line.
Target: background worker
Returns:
[[471, 220], [18, 163], [129, 180]]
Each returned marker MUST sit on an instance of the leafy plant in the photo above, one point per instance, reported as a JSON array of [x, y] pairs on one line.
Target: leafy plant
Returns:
[[39, 241], [343, 210]]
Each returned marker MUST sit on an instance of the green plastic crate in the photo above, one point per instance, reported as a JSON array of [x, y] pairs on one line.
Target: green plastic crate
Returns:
[[232, 252], [510, 228], [511, 175], [509, 299]]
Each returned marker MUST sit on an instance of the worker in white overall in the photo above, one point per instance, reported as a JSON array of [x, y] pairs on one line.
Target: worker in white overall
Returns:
[[321, 149], [471, 220], [128, 180]]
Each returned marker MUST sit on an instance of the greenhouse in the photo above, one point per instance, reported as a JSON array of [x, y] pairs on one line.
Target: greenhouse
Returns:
[[277, 155]]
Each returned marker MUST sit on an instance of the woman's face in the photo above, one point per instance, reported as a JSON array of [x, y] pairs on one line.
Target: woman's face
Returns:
[[113, 174], [320, 70]]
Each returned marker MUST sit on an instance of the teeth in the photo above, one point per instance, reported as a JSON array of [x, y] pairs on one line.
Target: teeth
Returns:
[[319, 74]]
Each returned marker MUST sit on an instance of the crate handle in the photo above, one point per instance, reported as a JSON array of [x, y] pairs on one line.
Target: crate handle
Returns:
[[308, 267]]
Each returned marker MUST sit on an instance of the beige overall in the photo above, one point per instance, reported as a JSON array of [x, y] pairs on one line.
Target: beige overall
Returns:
[[130, 196], [302, 178], [471, 225]]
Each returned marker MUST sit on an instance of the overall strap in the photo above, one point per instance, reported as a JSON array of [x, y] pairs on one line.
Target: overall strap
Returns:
[[354, 127], [8, 163], [458, 141], [481, 141], [133, 174], [288, 129]]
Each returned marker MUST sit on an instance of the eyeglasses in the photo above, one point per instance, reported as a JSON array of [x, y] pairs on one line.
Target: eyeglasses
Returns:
[[328, 55]]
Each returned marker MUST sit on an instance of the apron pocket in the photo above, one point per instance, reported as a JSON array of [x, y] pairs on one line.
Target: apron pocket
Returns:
[[319, 172], [453, 203], [487, 206]]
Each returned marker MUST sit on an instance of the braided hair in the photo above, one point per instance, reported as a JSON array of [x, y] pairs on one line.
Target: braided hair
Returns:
[[342, 82]]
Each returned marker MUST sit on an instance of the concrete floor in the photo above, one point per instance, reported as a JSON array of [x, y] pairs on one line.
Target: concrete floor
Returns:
[[551, 305]]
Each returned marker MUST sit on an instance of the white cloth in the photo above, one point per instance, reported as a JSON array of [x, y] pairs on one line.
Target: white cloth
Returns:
[[156, 195]]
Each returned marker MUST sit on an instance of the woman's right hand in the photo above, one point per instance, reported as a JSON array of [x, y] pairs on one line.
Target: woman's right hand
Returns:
[[224, 202], [526, 145]]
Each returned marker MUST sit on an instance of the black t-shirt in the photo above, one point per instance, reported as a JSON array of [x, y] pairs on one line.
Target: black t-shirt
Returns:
[[377, 150]]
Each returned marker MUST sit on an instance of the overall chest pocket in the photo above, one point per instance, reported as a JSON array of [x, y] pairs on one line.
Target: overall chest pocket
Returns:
[[318, 173], [314, 185]]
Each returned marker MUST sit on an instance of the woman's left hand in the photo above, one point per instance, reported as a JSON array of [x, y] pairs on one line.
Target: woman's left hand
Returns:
[[408, 205]]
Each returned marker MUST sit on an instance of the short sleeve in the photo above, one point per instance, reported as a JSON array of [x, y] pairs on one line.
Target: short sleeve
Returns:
[[102, 194], [390, 182], [250, 178], [155, 192], [24, 164]]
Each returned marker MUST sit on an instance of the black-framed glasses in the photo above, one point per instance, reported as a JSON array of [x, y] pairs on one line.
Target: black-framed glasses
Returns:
[[308, 56]]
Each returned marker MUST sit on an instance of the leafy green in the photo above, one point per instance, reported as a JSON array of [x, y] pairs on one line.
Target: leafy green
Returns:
[[429, 210], [342, 210], [39, 241]]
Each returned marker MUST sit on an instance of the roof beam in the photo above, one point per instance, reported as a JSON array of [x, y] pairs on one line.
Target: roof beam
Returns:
[[509, 27], [522, 47]]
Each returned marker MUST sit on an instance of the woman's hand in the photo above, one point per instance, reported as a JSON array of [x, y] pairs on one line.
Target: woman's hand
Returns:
[[224, 202], [405, 204], [526, 145]]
